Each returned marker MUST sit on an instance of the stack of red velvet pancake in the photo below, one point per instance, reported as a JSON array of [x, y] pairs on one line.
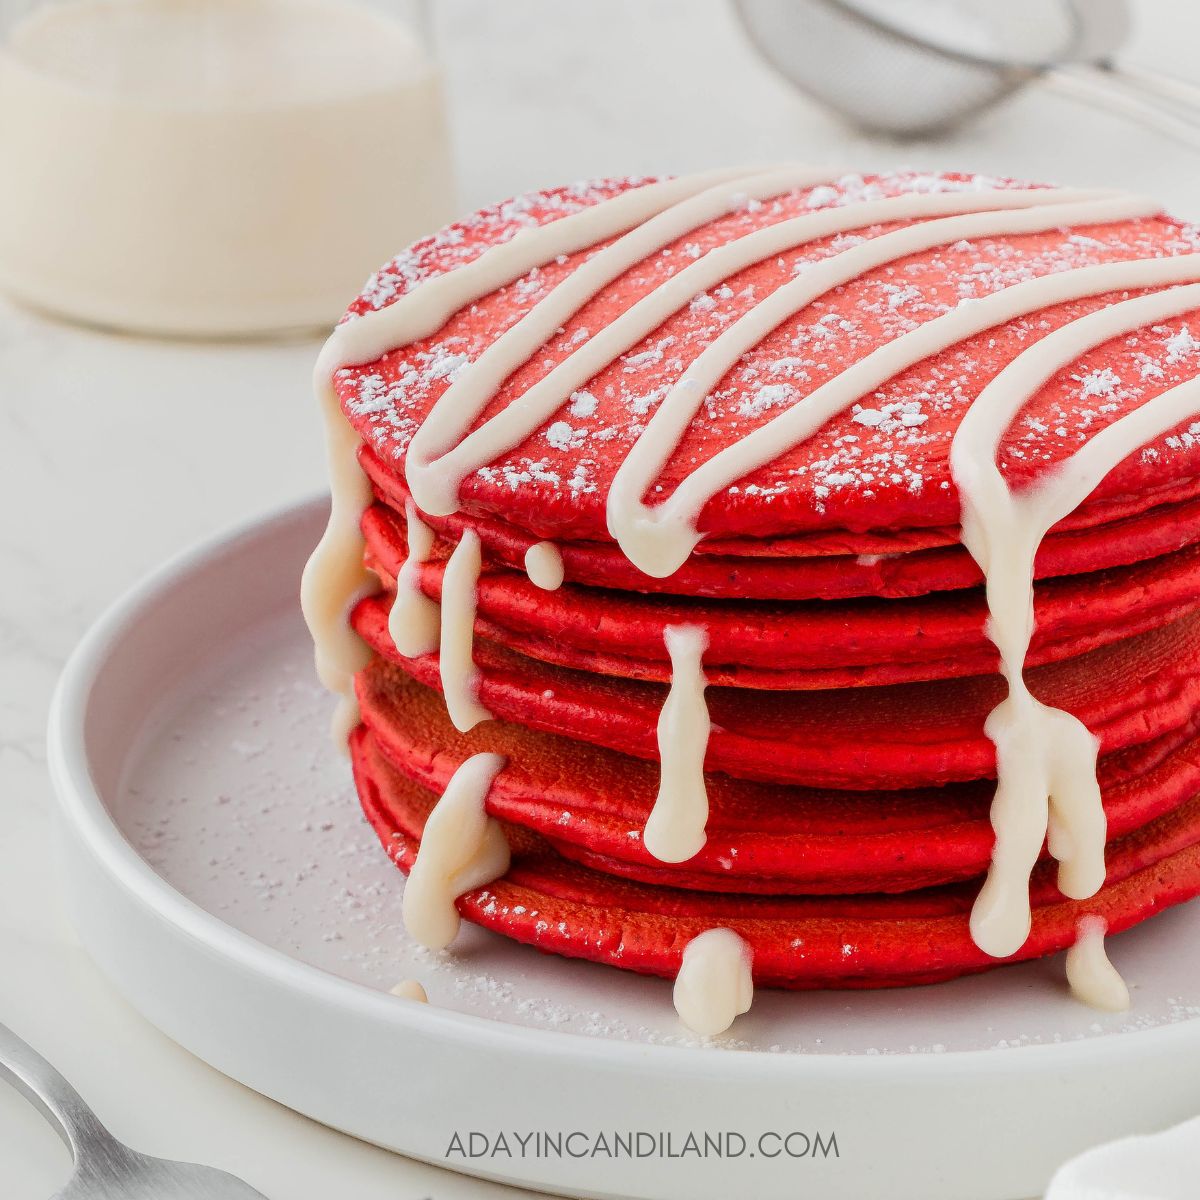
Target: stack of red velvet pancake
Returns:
[[850, 674]]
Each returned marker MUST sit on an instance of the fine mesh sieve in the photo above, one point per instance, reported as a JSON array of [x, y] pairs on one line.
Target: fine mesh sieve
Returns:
[[915, 67]]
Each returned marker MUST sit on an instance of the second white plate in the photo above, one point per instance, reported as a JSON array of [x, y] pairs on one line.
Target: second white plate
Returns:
[[221, 873]]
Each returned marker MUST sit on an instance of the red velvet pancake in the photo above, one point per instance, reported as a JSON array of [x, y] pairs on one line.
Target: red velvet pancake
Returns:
[[880, 466], [591, 805], [815, 645], [857, 738], [797, 942], [833, 566]]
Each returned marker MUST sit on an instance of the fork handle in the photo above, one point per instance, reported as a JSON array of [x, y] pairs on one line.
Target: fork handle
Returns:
[[41, 1084]]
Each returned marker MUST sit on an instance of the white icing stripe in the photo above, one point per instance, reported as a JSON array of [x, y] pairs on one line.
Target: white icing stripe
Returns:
[[462, 848], [415, 620], [714, 984], [440, 456], [437, 461], [1092, 977], [675, 828], [544, 566], [456, 664], [659, 538], [428, 307], [1046, 759]]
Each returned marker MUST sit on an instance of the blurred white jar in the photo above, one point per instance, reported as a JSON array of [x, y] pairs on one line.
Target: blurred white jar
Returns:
[[214, 167]]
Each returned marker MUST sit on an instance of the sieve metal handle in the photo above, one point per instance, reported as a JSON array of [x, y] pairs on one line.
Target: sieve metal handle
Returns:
[[1165, 104]]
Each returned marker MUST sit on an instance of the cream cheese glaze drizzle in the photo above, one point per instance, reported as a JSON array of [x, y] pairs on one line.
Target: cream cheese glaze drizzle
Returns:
[[658, 539], [1045, 757], [674, 831], [335, 577], [461, 848], [442, 453]]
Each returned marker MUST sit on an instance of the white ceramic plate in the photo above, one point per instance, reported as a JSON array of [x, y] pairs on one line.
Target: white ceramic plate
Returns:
[[220, 873]]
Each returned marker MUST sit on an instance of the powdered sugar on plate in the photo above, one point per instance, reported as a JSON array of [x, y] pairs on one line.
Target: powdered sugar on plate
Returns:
[[235, 796]]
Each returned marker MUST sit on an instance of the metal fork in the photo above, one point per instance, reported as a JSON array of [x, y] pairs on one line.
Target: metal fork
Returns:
[[106, 1169]]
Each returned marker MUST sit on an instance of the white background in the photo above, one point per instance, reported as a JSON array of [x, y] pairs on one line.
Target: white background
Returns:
[[115, 452]]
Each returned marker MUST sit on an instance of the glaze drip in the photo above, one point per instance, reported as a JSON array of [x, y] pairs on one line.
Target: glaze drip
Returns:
[[461, 848], [1093, 979], [414, 622], [675, 829], [409, 989], [456, 664], [544, 566], [1045, 758], [714, 984], [335, 577]]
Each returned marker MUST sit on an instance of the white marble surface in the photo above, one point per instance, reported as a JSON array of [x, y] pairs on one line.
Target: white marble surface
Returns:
[[116, 452]]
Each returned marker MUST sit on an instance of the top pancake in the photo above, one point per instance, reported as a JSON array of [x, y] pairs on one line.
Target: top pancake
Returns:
[[834, 566], [881, 466]]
